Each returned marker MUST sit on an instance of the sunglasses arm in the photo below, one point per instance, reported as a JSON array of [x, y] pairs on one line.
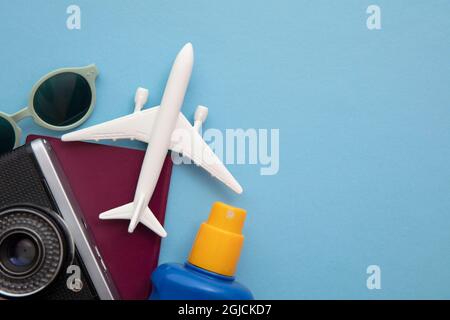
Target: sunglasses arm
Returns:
[[25, 112]]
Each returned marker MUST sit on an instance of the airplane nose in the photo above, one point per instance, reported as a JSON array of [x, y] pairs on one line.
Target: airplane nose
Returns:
[[183, 64], [187, 52], [188, 46]]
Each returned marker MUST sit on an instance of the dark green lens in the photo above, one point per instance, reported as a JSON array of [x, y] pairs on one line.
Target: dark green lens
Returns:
[[63, 99], [7, 136]]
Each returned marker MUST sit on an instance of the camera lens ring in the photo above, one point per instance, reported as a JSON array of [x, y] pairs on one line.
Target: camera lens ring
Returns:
[[57, 243]]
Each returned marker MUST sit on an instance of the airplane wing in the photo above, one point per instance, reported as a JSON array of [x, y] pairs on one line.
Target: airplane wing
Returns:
[[187, 141], [135, 126]]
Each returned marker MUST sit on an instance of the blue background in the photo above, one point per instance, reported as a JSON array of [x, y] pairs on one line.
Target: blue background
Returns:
[[364, 123]]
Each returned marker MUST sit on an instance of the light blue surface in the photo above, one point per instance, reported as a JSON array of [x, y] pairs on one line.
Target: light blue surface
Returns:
[[364, 119]]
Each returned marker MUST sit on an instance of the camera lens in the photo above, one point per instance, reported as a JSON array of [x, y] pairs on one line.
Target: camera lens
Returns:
[[20, 252], [35, 246]]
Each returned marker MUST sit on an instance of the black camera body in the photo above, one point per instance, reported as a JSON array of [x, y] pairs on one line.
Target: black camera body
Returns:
[[46, 250]]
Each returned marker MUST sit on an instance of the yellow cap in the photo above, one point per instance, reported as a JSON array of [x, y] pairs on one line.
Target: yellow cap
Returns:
[[219, 240]]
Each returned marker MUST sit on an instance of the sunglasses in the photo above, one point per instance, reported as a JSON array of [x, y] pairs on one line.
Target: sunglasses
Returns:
[[60, 100]]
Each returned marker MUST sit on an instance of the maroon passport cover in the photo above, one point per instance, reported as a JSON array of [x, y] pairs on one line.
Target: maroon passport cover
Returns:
[[104, 177]]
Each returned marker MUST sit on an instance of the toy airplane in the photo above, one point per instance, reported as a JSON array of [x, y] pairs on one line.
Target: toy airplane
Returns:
[[156, 127]]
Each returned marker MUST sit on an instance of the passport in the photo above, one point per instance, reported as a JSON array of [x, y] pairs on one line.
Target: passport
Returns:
[[103, 177]]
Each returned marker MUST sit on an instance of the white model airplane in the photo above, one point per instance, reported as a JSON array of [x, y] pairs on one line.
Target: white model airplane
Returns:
[[157, 127]]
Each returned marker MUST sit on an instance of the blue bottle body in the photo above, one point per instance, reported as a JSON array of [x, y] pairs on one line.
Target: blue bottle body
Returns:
[[173, 281]]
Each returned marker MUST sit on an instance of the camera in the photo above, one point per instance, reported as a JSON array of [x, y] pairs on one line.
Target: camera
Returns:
[[46, 249]]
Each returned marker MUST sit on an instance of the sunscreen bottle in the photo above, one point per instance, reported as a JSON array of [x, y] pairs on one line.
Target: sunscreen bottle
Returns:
[[209, 272]]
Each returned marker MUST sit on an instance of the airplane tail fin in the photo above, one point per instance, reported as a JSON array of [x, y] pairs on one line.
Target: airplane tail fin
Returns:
[[123, 212], [150, 221], [127, 211]]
